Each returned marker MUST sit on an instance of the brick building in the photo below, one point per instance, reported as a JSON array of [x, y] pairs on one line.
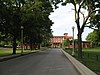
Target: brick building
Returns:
[[56, 42]]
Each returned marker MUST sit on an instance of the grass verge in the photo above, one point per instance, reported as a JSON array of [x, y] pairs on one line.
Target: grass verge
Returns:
[[91, 58]]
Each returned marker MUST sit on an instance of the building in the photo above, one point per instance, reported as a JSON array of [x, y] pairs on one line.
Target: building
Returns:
[[56, 41], [85, 44]]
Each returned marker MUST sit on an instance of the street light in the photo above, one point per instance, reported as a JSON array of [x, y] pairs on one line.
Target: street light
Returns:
[[22, 39], [73, 53]]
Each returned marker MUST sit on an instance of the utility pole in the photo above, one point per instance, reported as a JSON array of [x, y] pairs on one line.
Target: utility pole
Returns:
[[22, 39], [73, 53]]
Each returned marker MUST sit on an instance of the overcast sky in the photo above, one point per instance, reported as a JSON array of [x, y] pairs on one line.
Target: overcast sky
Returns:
[[63, 19]]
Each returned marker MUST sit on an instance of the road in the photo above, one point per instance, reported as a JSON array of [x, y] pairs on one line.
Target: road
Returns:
[[50, 62]]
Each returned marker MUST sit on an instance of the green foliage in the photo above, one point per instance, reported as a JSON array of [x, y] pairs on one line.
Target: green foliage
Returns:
[[32, 14], [94, 38], [65, 43], [55, 3], [40, 24], [95, 17], [5, 39]]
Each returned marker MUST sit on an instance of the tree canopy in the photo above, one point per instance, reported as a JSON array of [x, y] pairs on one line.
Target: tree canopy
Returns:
[[33, 15], [65, 43], [94, 38]]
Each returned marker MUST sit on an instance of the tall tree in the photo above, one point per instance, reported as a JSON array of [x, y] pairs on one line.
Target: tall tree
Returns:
[[88, 5], [32, 14], [37, 19]]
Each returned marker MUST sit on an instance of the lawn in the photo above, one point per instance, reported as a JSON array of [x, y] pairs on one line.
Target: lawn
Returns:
[[95, 50], [91, 58], [8, 51], [5, 51]]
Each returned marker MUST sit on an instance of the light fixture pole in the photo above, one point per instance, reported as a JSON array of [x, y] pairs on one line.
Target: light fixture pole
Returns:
[[73, 53], [22, 48]]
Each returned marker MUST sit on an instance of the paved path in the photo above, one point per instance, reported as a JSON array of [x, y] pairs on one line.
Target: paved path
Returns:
[[51, 62]]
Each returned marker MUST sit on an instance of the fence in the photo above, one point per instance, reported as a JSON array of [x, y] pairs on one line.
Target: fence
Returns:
[[90, 55], [93, 56]]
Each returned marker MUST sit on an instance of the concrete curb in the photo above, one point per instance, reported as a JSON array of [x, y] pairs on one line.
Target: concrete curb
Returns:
[[83, 70], [14, 56]]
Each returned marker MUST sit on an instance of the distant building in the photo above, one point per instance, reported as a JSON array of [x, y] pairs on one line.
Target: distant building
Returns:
[[85, 44], [56, 42]]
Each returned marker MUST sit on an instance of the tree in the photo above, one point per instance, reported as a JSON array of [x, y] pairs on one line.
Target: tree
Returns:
[[95, 23], [32, 14], [88, 5], [5, 39], [65, 43], [94, 38], [38, 22]]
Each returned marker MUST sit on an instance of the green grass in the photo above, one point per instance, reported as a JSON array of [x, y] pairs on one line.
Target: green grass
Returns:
[[93, 54], [5, 51], [95, 50], [8, 51], [91, 58], [92, 64]]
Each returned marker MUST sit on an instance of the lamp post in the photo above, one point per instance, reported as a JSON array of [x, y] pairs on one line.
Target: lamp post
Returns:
[[22, 39], [73, 53]]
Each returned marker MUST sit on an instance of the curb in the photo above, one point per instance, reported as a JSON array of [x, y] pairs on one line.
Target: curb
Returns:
[[82, 69], [14, 56]]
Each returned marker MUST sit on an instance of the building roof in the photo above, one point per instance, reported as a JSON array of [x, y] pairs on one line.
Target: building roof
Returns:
[[63, 37]]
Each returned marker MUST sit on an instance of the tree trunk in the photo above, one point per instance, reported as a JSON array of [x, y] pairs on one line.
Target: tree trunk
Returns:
[[14, 45], [38, 46], [79, 45], [31, 46]]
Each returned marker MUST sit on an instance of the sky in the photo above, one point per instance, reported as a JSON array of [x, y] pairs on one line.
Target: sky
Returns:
[[64, 19]]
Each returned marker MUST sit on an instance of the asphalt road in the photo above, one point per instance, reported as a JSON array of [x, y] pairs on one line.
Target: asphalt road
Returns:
[[51, 62]]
